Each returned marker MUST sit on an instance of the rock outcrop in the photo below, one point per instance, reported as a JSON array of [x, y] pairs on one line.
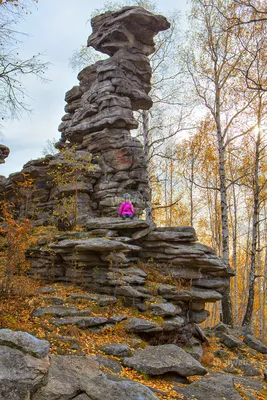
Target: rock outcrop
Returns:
[[24, 364], [158, 360], [99, 117], [109, 260]]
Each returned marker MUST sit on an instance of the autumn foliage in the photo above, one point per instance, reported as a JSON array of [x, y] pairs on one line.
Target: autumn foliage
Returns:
[[16, 239]]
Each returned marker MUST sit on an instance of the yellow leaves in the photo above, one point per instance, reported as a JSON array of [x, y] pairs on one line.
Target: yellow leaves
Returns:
[[18, 236], [153, 382]]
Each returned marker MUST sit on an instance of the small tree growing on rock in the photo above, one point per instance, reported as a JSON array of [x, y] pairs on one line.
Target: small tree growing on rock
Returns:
[[67, 179]]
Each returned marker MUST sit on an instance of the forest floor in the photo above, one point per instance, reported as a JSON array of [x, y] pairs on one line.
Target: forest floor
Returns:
[[16, 314]]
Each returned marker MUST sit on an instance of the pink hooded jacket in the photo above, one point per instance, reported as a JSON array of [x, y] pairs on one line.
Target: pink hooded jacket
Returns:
[[126, 208]]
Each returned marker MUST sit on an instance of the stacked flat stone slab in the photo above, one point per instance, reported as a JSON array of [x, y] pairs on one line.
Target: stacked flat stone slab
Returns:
[[106, 260], [204, 276]]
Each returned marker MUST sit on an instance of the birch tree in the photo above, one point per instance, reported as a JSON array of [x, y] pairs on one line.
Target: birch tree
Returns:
[[213, 67]]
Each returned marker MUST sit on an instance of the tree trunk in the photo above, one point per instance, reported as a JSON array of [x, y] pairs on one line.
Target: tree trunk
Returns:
[[145, 132], [171, 190], [226, 301], [255, 221], [191, 192], [234, 240]]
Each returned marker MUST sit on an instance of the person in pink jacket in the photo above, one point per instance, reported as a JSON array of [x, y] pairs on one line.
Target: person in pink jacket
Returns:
[[126, 209]]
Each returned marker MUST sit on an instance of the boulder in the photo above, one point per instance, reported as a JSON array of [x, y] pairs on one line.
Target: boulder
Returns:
[[221, 386], [195, 349], [24, 364], [157, 360], [198, 316], [113, 388], [246, 368], [116, 349], [65, 376], [180, 234], [4, 153], [221, 354], [255, 344], [24, 342], [231, 341]]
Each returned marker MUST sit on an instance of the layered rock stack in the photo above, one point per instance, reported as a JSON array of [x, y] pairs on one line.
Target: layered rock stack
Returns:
[[118, 258], [100, 110]]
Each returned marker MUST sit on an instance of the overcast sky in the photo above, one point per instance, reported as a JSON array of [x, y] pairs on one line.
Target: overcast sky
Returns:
[[56, 28]]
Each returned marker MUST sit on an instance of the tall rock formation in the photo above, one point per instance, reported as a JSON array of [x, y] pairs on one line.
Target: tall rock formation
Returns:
[[100, 110]]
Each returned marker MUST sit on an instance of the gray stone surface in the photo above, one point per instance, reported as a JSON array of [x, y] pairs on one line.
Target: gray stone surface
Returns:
[[126, 25], [81, 322], [173, 324], [24, 342], [164, 309], [21, 373], [255, 344], [221, 354], [195, 349], [101, 300], [116, 349], [139, 325], [4, 153], [198, 316], [93, 245], [219, 388], [117, 318], [231, 341], [246, 368], [157, 360], [65, 375], [247, 385], [82, 396], [220, 328], [108, 388], [108, 363], [116, 223], [59, 311]]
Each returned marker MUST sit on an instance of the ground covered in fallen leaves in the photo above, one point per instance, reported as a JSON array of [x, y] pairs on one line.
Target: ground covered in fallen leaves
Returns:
[[16, 313]]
